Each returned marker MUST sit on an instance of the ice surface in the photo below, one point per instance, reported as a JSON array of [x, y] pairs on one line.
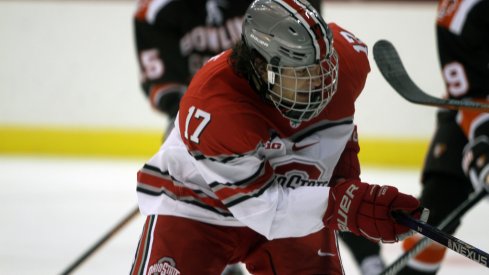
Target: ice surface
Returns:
[[53, 209]]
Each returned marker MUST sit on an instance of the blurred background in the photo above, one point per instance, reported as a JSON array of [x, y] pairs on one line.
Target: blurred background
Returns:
[[69, 79], [75, 126]]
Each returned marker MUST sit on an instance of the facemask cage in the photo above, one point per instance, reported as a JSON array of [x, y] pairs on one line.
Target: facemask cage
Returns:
[[301, 93]]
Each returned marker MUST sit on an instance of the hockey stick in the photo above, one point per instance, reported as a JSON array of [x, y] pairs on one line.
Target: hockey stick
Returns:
[[443, 238], [391, 67], [101, 242], [448, 223]]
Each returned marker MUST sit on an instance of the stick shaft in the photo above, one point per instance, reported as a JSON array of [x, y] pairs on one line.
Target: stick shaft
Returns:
[[448, 223], [445, 239]]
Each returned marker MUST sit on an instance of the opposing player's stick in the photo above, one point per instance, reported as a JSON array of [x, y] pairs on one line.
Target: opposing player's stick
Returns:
[[101, 241], [448, 223], [391, 67]]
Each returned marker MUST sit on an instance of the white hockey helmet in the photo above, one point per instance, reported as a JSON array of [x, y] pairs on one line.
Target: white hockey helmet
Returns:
[[302, 65]]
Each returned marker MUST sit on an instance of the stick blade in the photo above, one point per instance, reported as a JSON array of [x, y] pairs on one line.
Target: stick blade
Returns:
[[391, 67]]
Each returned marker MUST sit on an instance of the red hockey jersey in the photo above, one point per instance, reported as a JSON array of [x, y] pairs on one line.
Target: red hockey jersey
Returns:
[[234, 160]]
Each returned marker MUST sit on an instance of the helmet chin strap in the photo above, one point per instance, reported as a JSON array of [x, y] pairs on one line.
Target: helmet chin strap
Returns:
[[257, 82]]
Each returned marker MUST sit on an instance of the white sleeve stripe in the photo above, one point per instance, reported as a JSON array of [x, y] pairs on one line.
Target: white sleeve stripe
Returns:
[[153, 9], [458, 21], [483, 118]]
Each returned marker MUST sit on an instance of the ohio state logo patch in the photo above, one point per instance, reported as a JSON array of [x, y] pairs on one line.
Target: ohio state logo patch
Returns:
[[295, 172], [164, 266]]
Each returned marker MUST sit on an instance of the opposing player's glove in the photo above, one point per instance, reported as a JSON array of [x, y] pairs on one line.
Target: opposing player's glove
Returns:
[[168, 101], [475, 162], [365, 209]]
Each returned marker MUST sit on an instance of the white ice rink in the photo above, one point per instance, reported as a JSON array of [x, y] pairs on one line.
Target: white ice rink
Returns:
[[53, 209]]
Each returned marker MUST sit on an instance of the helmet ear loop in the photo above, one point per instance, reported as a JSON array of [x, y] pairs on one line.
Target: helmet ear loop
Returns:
[[272, 74]]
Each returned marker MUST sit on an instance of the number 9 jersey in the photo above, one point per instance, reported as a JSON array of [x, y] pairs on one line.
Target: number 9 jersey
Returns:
[[463, 45]]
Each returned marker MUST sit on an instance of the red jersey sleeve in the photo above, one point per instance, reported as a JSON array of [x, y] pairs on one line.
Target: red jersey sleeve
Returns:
[[353, 70], [218, 116]]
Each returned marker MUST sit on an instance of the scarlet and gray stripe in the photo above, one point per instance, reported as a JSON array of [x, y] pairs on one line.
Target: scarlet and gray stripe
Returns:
[[253, 186], [145, 242], [155, 182], [320, 126], [315, 26], [223, 158]]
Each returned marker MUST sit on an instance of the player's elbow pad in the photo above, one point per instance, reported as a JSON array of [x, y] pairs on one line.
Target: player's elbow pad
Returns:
[[476, 159]]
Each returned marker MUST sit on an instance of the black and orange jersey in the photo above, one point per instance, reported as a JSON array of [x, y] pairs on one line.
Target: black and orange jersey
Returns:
[[175, 38], [463, 47]]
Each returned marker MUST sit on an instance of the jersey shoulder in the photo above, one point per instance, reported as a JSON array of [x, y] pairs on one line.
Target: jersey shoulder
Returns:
[[151, 11], [457, 14], [354, 67], [352, 52], [217, 115]]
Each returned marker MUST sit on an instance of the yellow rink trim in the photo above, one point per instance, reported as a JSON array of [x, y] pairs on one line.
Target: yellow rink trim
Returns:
[[78, 142], [144, 143], [393, 152]]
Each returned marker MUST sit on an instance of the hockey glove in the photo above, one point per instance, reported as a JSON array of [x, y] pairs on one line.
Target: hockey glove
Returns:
[[475, 162], [365, 209]]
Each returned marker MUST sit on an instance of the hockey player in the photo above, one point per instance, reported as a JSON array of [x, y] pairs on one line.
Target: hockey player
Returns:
[[175, 38], [459, 150], [262, 165]]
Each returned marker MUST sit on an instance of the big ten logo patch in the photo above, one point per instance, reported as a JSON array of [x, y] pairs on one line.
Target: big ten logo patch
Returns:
[[273, 145], [299, 173], [164, 266]]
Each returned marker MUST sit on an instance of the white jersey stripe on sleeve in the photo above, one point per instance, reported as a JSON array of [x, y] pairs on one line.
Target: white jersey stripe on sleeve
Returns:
[[153, 8], [458, 22]]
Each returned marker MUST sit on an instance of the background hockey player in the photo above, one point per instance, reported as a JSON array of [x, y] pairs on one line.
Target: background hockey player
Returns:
[[459, 150], [175, 38]]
